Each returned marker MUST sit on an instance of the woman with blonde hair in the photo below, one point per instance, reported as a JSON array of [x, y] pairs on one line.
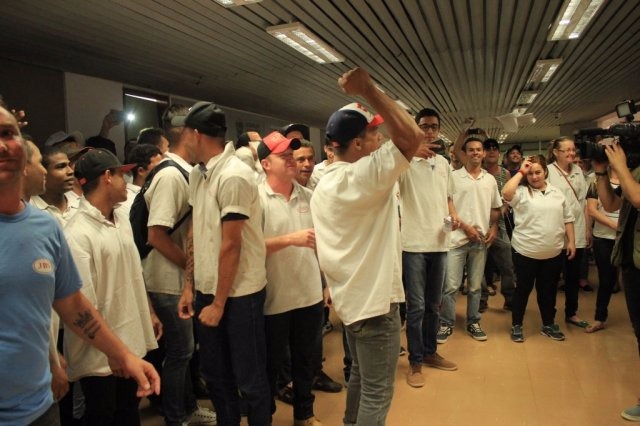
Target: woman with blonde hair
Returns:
[[569, 179], [543, 220]]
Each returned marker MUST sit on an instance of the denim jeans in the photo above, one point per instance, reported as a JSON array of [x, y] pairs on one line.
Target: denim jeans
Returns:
[[178, 400], [233, 359], [474, 256], [300, 330], [607, 275], [544, 275], [424, 275], [500, 254], [374, 344]]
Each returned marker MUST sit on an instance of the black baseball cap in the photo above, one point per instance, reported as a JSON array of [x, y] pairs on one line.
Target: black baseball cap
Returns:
[[94, 162], [488, 143], [296, 126], [205, 117]]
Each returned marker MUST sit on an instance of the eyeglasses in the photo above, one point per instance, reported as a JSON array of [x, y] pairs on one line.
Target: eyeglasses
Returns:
[[433, 127]]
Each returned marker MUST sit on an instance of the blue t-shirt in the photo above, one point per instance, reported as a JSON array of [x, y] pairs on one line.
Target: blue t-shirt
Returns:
[[36, 267]]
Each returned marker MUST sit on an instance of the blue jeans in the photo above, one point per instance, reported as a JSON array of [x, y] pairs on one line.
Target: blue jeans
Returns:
[[424, 276], [500, 253], [374, 344], [233, 359], [474, 256], [178, 400], [298, 332]]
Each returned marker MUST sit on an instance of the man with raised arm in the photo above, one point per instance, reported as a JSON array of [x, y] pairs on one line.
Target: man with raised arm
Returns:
[[355, 213]]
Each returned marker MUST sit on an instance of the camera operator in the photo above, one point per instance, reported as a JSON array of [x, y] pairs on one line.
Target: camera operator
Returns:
[[626, 251]]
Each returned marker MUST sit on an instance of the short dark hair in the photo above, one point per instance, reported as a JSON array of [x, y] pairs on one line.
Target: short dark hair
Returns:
[[92, 185], [306, 144], [427, 112], [173, 133], [471, 139], [50, 151], [141, 156], [150, 136]]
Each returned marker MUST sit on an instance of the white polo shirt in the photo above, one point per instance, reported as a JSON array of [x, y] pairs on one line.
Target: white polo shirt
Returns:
[[226, 185], [109, 266], [424, 192], [540, 219], [168, 202], [132, 191], [61, 216], [473, 198], [293, 274], [577, 202], [355, 214]]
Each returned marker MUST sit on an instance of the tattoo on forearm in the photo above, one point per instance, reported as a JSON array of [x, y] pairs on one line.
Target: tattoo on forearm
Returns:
[[188, 280], [87, 323]]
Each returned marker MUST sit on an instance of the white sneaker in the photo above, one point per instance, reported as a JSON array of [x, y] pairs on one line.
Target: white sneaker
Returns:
[[202, 417]]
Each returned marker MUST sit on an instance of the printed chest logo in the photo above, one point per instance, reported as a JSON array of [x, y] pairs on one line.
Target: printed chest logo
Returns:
[[304, 208], [42, 266]]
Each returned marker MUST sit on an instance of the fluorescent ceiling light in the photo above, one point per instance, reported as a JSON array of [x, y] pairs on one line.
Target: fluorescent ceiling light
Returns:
[[527, 97], [306, 42], [403, 105], [145, 98], [233, 3], [573, 18], [543, 71]]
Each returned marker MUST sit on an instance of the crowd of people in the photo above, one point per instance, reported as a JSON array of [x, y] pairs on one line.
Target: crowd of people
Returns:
[[229, 255]]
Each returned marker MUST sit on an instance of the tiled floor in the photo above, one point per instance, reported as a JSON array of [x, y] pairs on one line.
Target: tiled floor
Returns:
[[586, 380]]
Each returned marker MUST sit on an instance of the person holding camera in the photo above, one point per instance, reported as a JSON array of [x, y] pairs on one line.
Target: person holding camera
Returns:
[[626, 249]]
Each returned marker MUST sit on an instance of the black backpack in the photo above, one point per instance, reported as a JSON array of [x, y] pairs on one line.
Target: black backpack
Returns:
[[139, 213]]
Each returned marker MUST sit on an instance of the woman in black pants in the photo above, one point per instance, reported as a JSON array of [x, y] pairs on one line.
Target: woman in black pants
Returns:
[[604, 235], [542, 221]]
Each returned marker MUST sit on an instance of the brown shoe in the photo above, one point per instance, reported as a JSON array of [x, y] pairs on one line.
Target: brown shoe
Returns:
[[414, 376], [311, 421], [436, 361]]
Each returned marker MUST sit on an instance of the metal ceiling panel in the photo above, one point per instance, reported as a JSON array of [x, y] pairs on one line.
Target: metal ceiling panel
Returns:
[[465, 58]]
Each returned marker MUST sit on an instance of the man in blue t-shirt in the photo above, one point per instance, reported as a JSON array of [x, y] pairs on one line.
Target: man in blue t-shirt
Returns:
[[36, 272]]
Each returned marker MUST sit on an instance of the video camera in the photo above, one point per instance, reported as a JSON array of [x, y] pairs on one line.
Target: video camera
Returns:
[[627, 135]]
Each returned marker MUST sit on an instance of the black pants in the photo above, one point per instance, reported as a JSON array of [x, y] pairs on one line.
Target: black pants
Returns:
[[572, 283], [631, 282], [544, 274], [607, 274], [110, 401], [298, 331]]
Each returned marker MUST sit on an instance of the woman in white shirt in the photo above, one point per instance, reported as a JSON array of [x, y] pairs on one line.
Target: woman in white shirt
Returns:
[[604, 235], [568, 178], [542, 221]]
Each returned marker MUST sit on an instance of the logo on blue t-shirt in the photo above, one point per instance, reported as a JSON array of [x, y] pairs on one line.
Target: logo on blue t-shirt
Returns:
[[42, 266]]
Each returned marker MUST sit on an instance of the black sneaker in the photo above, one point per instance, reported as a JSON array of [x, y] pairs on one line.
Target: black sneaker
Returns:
[[552, 331], [324, 383], [476, 332], [516, 334], [286, 395], [443, 334]]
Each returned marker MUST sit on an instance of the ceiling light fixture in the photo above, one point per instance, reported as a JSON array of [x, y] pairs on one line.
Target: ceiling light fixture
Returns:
[[543, 71], [573, 18], [234, 3], [306, 42], [526, 97]]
